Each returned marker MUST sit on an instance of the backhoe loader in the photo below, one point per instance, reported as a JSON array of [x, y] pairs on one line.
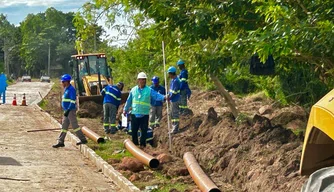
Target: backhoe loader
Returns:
[[318, 148], [91, 74]]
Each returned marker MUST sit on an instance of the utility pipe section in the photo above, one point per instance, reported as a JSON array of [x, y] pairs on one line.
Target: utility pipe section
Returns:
[[201, 179], [141, 155], [92, 135]]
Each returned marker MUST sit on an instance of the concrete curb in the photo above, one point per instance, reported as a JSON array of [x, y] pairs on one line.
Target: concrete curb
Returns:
[[101, 164]]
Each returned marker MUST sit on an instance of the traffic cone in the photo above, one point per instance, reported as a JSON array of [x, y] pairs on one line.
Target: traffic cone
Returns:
[[14, 100], [24, 102]]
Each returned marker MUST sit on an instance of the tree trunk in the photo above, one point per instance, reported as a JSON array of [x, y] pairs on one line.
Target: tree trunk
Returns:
[[226, 95]]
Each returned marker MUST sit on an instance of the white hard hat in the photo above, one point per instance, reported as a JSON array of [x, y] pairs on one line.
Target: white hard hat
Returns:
[[141, 75]]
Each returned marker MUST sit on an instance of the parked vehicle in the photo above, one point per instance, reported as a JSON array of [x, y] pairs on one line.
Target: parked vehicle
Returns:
[[26, 78], [45, 78]]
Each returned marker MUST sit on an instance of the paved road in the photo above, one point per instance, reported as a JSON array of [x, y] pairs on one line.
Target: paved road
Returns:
[[33, 91], [27, 160]]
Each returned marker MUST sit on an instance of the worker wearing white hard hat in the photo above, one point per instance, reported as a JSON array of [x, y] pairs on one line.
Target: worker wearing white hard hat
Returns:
[[139, 100]]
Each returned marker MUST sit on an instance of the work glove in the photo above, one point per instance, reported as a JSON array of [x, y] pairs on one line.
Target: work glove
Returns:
[[66, 112], [188, 93]]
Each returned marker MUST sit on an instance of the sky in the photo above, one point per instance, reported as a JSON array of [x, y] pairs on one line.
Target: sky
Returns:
[[17, 10]]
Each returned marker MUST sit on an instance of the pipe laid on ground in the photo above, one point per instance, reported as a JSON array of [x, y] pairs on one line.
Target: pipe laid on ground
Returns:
[[141, 155], [92, 135], [201, 179]]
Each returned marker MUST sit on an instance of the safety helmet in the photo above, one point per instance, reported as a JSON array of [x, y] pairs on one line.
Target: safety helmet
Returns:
[[171, 70], [141, 75], [121, 84], [180, 62], [155, 80], [66, 77]]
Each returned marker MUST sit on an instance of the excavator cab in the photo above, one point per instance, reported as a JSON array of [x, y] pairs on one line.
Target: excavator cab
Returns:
[[318, 148], [91, 73]]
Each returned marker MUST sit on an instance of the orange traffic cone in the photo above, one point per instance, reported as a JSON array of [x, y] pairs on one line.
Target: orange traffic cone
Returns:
[[14, 100], [24, 102]]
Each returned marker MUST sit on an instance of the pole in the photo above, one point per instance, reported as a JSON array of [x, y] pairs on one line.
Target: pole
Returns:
[[49, 61], [168, 120], [94, 39]]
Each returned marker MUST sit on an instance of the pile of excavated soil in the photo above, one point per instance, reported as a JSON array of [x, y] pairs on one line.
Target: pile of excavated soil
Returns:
[[257, 155], [90, 109]]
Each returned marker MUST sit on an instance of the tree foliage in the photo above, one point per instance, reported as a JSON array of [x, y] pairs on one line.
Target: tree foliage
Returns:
[[218, 38], [52, 29]]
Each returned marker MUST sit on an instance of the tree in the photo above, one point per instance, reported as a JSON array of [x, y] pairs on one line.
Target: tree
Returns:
[[9, 44], [215, 35], [52, 28]]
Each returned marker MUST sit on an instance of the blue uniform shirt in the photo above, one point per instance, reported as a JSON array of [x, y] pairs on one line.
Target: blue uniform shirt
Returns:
[[160, 89], [69, 97], [174, 90], [184, 79], [111, 95]]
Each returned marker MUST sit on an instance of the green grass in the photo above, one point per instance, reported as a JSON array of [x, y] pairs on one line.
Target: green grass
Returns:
[[164, 184], [43, 104], [114, 150], [108, 149]]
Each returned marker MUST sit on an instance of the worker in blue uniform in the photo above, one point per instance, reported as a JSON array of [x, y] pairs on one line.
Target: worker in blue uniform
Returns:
[[156, 106], [68, 104], [174, 98], [185, 91], [112, 95]]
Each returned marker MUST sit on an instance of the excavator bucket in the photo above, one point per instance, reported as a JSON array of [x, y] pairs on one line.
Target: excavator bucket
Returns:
[[99, 99], [318, 148]]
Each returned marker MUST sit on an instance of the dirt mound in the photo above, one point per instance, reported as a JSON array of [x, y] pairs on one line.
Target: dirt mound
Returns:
[[260, 156], [90, 109]]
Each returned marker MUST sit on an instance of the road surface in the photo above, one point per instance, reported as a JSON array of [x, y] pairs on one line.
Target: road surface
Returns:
[[27, 160]]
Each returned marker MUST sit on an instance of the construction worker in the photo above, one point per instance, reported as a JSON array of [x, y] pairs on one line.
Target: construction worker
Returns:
[[139, 100], [69, 107], [3, 87], [111, 101], [174, 98], [184, 87], [156, 106]]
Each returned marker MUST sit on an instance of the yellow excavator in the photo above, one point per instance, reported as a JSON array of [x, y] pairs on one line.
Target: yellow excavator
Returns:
[[91, 74], [318, 148]]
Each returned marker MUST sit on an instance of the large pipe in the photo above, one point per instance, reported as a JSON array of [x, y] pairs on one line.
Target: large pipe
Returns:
[[141, 155], [201, 179], [92, 135]]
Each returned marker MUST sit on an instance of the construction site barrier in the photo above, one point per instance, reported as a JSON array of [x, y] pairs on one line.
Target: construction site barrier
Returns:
[[92, 135], [201, 179], [141, 155]]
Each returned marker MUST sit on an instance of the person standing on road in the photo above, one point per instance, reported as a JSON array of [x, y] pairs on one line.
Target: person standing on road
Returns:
[[111, 101], [174, 98], [184, 88], [139, 100], [69, 107], [156, 106], [3, 87]]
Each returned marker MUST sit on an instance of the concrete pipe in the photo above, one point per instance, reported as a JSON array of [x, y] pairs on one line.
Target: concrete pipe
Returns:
[[92, 135], [201, 179], [141, 155]]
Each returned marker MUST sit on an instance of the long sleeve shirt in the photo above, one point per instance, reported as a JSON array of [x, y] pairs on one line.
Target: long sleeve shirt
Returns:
[[69, 98], [153, 96], [183, 79], [174, 90], [160, 89], [111, 94]]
